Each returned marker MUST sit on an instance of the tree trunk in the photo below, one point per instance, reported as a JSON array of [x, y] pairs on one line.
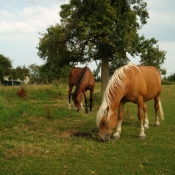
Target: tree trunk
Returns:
[[104, 73]]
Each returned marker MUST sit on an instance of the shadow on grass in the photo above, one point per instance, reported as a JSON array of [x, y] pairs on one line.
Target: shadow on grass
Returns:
[[93, 134]]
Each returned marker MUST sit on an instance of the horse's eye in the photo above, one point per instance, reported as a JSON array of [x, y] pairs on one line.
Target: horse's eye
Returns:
[[104, 122]]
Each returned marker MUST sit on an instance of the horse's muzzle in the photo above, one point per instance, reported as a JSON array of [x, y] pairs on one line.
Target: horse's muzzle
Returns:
[[105, 138]]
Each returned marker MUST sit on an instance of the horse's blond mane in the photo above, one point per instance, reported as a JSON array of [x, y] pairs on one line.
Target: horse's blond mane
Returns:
[[114, 83]]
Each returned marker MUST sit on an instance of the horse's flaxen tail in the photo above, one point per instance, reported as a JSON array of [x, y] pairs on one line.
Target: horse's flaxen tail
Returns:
[[161, 110]]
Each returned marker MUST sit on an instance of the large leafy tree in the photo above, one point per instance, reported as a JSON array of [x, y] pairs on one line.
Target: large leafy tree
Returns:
[[5, 66], [102, 30]]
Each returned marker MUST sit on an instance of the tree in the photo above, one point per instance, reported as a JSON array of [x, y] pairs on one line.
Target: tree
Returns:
[[100, 30], [34, 73], [103, 29], [151, 55], [5, 66], [171, 77], [53, 49]]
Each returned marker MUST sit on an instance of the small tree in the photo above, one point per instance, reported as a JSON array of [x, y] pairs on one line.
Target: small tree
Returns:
[[151, 55], [5, 66], [34, 73], [171, 77]]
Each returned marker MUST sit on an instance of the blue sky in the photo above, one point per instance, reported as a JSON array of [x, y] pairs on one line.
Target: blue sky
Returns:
[[22, 20]]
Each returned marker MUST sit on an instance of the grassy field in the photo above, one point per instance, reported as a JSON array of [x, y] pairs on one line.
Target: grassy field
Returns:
[[39, 135]]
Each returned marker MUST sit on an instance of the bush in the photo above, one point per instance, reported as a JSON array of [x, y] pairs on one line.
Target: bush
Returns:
[[22, 93]]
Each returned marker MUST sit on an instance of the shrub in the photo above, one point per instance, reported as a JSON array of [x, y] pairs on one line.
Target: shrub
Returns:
[[22, 93]]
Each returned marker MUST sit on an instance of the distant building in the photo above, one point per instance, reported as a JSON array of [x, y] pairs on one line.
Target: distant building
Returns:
[[17, 82]]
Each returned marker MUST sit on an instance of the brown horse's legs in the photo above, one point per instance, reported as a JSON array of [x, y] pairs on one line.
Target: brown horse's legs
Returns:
[[119, 121], [140, 106], [69, 95], [156, 107], [91, 93], [85, 101], [146, 125]]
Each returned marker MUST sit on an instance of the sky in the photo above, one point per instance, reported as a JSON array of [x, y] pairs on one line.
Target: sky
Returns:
[[21, 21]]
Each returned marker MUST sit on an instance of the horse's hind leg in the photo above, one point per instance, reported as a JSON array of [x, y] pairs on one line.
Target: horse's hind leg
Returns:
[[156, 107], [146, 125], [85, 101], [91, 93]]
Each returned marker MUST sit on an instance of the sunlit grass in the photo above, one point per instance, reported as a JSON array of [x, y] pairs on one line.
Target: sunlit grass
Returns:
[[39, 135]]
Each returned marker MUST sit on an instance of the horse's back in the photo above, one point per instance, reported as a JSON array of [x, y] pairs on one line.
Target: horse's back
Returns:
[[152, 79], [88, 77], [74, 71], [74, 75], [151, 75], [144, 81]]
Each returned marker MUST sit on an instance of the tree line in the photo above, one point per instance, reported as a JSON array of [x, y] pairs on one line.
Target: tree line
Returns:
[[37, 74], [41, 75]]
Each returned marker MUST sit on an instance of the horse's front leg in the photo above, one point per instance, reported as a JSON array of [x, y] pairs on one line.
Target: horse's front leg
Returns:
[[116, 135], [146, 125], [91, 93], [140, 105], [85, 101]]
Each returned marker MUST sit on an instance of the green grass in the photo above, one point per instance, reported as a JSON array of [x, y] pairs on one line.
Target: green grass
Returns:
[[39, 135]]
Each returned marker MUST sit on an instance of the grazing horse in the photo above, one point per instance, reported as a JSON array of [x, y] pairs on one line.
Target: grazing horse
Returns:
[[130, 83], [84, 80], [73, 80]]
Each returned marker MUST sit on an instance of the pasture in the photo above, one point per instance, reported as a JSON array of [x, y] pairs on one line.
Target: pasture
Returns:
[[39, 135]]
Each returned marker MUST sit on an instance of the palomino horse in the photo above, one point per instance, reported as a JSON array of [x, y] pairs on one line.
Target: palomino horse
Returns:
[[84, 80], [129, 83]]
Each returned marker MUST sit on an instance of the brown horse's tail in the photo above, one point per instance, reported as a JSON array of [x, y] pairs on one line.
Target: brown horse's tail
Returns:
[[161, 110]]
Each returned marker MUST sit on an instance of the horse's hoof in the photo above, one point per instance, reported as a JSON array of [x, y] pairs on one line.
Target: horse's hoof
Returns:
[[116, 137], [142, 137], [146, 127], [156, 124]]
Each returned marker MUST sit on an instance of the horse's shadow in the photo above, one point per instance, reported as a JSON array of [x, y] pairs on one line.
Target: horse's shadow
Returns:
[[92, 134]]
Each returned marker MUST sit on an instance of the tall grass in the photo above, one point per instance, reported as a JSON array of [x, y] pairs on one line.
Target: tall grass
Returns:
[[39, 135]]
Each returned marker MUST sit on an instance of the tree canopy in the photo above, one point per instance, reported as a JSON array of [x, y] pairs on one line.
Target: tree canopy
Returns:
[[104, 30]]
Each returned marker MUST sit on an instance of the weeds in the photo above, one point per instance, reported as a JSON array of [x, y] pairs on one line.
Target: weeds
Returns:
[[49, 112], [22, 93]]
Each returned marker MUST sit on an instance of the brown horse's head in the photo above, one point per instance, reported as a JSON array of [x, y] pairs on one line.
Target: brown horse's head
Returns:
[[106, 124], [77, 99]]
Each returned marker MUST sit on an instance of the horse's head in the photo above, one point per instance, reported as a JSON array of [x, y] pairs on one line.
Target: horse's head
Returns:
[[77, 99], [106, 124]]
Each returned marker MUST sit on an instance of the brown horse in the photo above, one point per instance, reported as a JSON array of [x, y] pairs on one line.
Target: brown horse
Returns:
[[129, 83], [84, 80], [73, 80]]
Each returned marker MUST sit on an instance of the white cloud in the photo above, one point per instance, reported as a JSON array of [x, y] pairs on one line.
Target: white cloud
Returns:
[[19, 31], [28, 21]]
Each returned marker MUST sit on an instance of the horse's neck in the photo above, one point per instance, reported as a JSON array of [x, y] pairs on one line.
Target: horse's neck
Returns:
[[78, 89], [116, 98]]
